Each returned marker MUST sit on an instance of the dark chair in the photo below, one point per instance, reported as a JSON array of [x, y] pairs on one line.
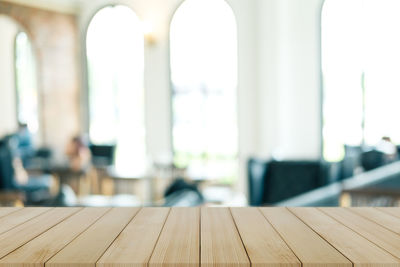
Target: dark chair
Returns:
[[398, 152], [372, 159], [256, 171], [274, 181], [7, 182], [102, 155], [41, 161], [352, 151], [333, 172], [286, 179], [182, 193], [350, 161]]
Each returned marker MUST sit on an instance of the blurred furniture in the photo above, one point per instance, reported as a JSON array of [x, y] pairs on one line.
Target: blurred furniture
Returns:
[[35, 191], [118, 190], [183, 193], [200, 237], [370, 197], [350, 161], [102, 159], [379, 181], [223, 195], [372, 159], [289, 178], [274, 181], [256, 172], [102, 155], [138, 184], [12, 199], [41, 161], [76, 179], [362, 159], [183, 198]]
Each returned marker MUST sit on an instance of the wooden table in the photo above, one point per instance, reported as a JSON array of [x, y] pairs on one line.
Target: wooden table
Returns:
[[199, 236]]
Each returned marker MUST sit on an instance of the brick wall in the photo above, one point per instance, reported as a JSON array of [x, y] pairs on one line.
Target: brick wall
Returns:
[[54, 37]]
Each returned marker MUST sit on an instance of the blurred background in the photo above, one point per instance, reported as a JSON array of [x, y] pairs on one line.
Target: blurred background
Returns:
[[199, 102]]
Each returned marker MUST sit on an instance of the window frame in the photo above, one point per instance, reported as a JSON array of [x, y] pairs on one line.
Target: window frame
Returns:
[[172, 90]]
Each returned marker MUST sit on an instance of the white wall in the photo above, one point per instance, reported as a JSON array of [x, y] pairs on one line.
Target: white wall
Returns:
[[8, 109], [278, 76], [289, 79], [247, 91]]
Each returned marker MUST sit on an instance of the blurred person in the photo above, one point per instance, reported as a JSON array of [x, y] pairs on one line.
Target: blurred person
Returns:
[[21, 175], [387, 147], [25, 147], [78, 154], [15, 177]]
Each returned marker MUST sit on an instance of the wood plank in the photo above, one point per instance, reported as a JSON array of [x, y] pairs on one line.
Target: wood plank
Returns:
[[375, 233], [135, 244], [42, 248], [191, 237], [380, 217], [27, 231], [179, 242], [394, 211], [220, 241], [8, 210], [88, 247], [263, 244], [308, 246], [355, 247], [16, 218]]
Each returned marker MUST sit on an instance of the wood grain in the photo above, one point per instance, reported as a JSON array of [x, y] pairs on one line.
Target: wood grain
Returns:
[[179, 242], [88, 247], [392, 211], [130, 237], [135, 244], [8, 210], [220, 242], [355, 247], [263, 244], [27, 231], [42, 248], [380, 217], [308, 246], [375, 233], [20, 216]]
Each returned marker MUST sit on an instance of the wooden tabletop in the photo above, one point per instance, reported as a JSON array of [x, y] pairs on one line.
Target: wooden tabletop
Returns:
[[61, 237]]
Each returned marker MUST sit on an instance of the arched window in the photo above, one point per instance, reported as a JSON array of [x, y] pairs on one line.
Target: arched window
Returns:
[[203, 51], [360, 64], [26, 83], [115, 55], [18, 79]]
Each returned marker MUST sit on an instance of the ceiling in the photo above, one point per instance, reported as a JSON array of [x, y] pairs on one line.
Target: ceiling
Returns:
[[65, 6]]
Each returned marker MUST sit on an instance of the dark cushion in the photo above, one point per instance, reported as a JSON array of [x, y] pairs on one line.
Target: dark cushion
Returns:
[[286, 179], [274, 181]]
